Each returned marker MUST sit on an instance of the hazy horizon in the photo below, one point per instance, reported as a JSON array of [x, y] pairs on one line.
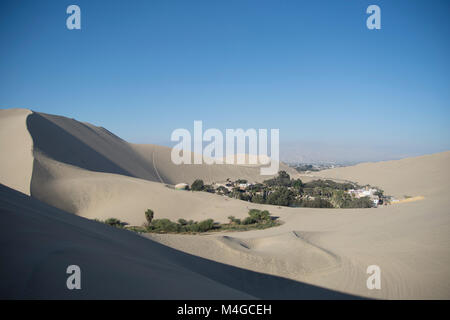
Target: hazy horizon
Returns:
[[336, 90], [318, 152]]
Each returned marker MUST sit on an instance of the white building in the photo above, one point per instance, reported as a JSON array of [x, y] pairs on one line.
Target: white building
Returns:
[[366, 192]]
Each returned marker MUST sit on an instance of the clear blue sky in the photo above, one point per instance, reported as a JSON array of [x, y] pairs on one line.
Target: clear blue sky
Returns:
[[310, 68]]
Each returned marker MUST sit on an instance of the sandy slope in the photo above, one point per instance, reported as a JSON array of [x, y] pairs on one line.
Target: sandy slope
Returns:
[[427, 175], [159, 158], [87, 170], [16, 160], [96, 149], [105, 195], [333, 248], [39, 242]]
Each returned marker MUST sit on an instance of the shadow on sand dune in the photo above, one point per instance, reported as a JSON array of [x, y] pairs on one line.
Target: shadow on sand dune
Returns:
[[76, 143], [259, 285], [38, 242]]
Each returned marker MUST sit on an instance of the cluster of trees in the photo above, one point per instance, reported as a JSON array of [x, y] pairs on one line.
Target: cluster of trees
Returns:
[[330, 184], [341, 199], [199, 185], [166, 225], [284, 191], [255, 216], [283, 180], [306, 167], [257, 219], [113, 222]]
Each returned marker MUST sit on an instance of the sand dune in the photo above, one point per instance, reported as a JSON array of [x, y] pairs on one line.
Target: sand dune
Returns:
[[39, 242], [159, 158], [16, 145], [409, 241], [426, 175], [89, 171], [104, 195], [333, 248], [96, 149], [85, 146], [262, 254]]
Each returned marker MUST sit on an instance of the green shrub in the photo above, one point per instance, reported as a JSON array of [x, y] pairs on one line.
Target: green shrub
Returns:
[[197, 185], [233, 220], [249, 220], [202, 226], [363, 202], [297, 184], [257, 219], [205, 225], [222, 190], [316, 203], [164, 225], [283, 179], [330, 184], [115, 222], [208, 188], [258, 199], [255, 216], [282, 196], [149, 214], [258, 215]]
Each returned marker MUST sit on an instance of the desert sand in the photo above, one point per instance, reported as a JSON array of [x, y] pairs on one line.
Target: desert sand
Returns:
[[86, 170], [79, 170], [16, 145]]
